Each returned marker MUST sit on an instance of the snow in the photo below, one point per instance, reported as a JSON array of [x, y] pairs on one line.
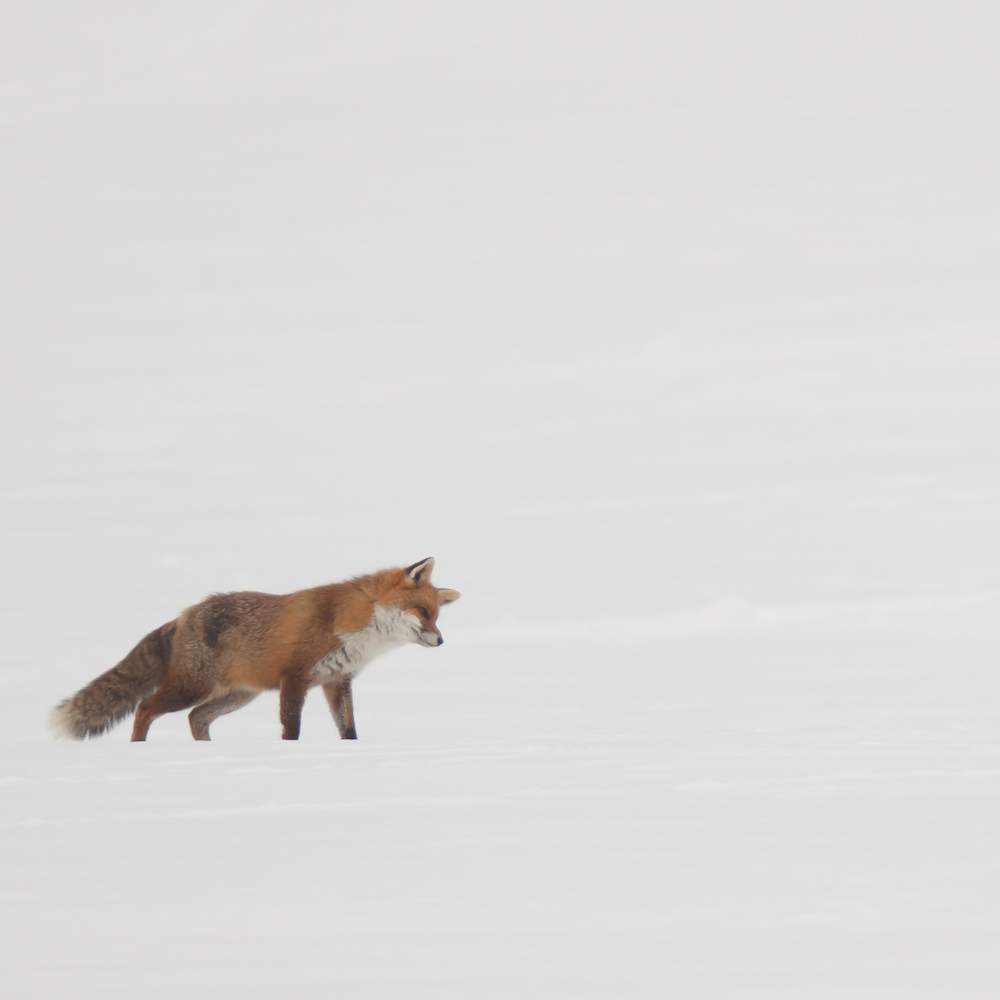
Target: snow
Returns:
[[670, 331]]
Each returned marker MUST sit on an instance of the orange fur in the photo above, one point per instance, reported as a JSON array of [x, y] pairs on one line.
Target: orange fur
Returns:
[[217, 655]]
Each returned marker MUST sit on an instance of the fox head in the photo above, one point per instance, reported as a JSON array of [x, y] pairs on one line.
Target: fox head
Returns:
[[417, 603]]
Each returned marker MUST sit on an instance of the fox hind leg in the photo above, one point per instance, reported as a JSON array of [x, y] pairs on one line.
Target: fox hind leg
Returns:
[[174, 696], [207, 712]]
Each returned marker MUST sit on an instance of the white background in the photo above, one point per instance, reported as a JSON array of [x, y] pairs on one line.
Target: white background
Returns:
[[670, 330]]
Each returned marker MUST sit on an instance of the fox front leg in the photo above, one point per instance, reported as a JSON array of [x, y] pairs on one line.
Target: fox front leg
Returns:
[[291, 698], [341, 701]]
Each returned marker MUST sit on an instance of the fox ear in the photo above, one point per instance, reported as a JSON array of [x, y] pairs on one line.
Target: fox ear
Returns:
[[448, 596], [420, 572]]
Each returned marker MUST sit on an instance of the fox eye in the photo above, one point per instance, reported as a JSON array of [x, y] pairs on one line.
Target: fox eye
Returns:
[[424, 612]]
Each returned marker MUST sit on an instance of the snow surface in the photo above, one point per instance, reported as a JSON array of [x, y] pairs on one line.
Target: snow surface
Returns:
[[670, 330]]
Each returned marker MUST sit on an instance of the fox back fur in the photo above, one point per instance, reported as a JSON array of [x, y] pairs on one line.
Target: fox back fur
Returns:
[[217, 656]]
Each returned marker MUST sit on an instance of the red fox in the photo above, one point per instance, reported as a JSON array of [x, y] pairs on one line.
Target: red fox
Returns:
[[219, 655]]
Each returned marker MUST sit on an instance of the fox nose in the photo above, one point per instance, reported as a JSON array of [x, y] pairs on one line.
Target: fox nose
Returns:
[[440, 640]]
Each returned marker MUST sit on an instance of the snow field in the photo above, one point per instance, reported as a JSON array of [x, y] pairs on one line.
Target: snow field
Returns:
[[670, 331]]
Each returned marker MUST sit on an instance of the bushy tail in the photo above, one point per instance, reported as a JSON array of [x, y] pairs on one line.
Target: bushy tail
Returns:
[[114, 695]]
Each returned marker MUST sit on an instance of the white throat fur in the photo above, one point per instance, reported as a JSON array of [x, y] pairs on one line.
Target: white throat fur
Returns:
[[389, 627]]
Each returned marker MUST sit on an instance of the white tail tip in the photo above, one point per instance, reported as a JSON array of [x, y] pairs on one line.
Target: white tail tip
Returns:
[[59, 723]]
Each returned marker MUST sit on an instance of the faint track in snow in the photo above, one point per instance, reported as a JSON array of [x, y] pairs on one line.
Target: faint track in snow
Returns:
[[278, 808], [732, 615]]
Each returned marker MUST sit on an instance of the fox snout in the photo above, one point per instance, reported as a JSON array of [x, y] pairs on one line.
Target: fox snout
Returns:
[[431, 638]]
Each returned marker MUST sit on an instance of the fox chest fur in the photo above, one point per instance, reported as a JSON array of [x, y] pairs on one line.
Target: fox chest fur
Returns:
[[388, 628]]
